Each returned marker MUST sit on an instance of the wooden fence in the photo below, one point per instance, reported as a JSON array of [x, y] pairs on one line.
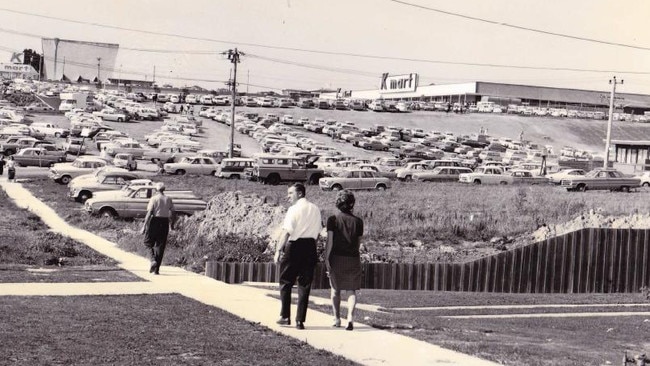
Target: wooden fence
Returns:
[[587, 260]]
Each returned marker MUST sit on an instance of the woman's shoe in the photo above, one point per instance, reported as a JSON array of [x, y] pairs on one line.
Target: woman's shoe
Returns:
[[350, 326], [337, 323]]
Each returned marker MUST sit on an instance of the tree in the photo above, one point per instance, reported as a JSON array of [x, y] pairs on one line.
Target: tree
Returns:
[[33, 58]]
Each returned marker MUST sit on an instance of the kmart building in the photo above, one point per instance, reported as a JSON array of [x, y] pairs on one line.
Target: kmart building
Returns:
[[406, 88]]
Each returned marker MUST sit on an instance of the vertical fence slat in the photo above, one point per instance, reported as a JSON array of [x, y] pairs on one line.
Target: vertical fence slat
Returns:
[[645, 282]]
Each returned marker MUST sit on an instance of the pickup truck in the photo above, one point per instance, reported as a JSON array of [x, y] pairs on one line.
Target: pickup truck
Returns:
[[601, 179], [35, 156], [132, 202]]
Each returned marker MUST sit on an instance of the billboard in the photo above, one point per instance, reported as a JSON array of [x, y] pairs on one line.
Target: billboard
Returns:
[[399, 83], [78, 59]]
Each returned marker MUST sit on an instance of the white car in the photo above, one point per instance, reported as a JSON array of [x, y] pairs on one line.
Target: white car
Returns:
[[556, 178], [64, 172], [193, 165]]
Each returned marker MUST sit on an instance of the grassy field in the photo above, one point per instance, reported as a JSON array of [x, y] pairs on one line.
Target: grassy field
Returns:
[[26, 245], [141, 330], [510, 341], [408, 223]]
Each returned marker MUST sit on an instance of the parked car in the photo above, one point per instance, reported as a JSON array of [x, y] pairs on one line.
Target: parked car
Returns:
[[133, 201], [74, 146], [125, 146], [234, 168], [126, 161], [50, 129], [406, 173], [35, 156], [193, 165], [520, 176], [64, 172], [486, 175], [355, 179], [82, 189], [599, 179], [39, 107], [556, 178], [441, 174], [107, 114]]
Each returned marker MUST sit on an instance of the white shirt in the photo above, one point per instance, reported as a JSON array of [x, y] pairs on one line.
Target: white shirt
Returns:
[[303, 220]]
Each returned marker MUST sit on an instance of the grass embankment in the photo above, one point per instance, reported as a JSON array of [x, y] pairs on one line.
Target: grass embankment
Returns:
[[26, 244], [417, 217], [141, 330], [525, 341]]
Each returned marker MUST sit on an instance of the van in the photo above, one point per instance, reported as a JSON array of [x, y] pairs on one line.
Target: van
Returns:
[[233, 168]]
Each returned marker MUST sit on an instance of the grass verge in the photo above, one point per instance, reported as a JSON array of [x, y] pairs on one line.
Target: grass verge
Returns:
[[142, 330], [26, 245], [510, 341]]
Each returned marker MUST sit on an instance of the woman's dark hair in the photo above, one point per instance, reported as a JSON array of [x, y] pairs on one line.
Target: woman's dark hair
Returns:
[[345, 200]]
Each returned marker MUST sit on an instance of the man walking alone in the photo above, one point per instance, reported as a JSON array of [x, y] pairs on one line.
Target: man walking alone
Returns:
[[159, 219], [297, 245]]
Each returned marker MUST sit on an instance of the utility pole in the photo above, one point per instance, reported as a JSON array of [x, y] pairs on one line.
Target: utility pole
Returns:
[[233, 56], [154, 74], [99, 60], [612, 96]]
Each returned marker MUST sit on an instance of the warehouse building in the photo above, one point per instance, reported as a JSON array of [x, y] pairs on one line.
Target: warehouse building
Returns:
[[406, 88]]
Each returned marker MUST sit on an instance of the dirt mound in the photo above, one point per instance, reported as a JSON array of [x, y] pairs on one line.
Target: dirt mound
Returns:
[[234, 213], [593, 219]]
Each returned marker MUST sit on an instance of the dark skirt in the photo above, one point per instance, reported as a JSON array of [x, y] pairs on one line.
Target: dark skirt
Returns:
[[345, 273], [11, 174]]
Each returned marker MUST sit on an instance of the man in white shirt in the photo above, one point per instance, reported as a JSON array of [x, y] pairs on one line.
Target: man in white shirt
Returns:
[[301, 227]]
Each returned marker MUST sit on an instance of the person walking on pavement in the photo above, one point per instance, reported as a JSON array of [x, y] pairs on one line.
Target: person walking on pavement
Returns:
[[11, 169], [297, 246], [157, 223], [2, 164], [342, 257]]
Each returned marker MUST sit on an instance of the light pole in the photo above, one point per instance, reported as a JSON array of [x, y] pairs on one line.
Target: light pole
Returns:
[[612, 96], [119, 78]]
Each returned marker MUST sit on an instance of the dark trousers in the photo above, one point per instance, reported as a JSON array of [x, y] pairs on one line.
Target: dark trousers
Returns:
[[156, 240], [298, 262]]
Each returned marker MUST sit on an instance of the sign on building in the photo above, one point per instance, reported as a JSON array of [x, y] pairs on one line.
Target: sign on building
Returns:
[[399, 83]]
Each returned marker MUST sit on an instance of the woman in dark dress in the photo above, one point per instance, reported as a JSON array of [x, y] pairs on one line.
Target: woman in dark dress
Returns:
[[342, 258]]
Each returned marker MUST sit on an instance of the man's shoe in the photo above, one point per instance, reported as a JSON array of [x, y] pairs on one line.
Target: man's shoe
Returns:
[[300, 325], [350, 326], [284, 321]]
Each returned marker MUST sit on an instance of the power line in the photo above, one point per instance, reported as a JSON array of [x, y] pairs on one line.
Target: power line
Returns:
[[350, 54], [541, 31], [312, 66]]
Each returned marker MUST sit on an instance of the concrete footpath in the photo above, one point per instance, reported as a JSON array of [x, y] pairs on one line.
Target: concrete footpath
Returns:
[[365, 345]]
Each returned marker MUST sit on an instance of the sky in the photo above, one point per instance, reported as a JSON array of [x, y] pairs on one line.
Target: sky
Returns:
[[313, 44]]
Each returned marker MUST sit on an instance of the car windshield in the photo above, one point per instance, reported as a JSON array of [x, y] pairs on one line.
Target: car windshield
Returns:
[[78, 164]]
